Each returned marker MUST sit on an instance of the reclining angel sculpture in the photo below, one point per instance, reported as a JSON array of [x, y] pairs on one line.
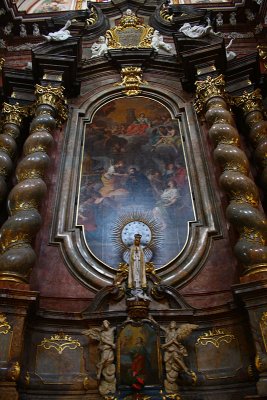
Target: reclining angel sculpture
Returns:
[[105, 368], [174, 353]]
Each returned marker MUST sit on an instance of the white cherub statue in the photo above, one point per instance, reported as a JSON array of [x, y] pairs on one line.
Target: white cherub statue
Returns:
[[157, 42], [23, 32], [249, 14], [35, 30], [230, 55], [99, 48], [61, 35], [198, 31], [232, 18], [219, 19], [8, 29]]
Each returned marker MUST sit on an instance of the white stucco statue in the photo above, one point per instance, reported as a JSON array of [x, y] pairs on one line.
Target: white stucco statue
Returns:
[[23, 32], [250, 16], [35, 30], [137, 271], [157, 42], [197, 31], [100, 47], [61, 35], [232, 18], [230, 55], [174, 353], [219, 19], [8, 29]]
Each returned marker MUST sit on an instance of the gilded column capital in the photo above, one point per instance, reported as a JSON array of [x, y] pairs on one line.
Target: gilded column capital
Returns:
[[205, 90], [14, 113], [53, 97], [249, 101], [49, 95]]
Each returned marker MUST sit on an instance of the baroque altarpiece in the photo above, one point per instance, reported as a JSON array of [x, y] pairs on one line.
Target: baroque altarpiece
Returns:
[[133, 181]]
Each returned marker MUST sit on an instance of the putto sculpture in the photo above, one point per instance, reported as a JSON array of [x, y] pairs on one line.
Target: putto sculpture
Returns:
[[198, 31], [157, 42], [100, 47], [174, 353], [61, 35]]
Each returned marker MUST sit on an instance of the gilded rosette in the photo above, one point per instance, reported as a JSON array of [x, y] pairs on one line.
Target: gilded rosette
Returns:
[[18, 232], [243, 209]]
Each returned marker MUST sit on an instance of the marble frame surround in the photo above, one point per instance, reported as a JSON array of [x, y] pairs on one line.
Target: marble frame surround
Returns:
[[82, 264]]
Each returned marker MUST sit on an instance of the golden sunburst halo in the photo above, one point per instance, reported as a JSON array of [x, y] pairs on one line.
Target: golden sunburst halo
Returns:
[[131, 223]]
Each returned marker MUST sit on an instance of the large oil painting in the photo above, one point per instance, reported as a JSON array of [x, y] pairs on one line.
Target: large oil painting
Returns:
[[134, 180], [138, 357]]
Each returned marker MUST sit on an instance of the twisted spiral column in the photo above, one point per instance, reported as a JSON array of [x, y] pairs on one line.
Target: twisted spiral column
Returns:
[[17, 256], [251, 105], [12, 119], [243, 209]]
